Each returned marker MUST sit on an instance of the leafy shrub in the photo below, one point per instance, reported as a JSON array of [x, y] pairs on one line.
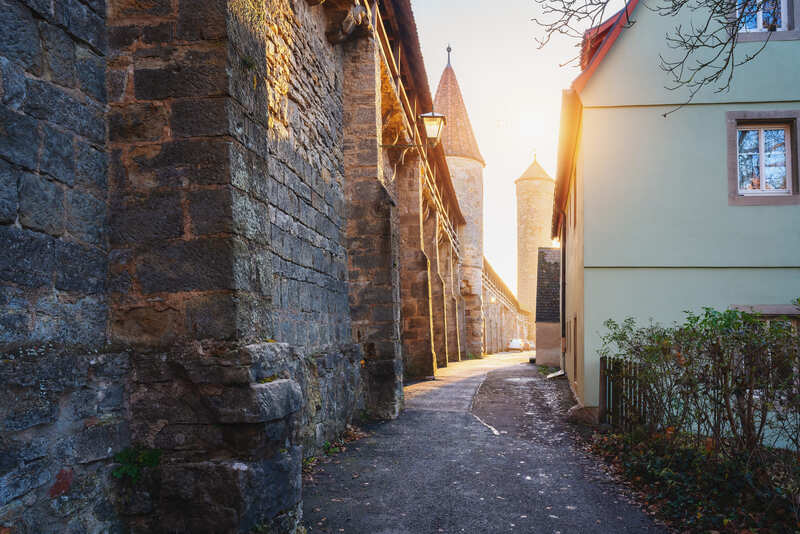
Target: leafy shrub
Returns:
[[723, 390], [698, 490]]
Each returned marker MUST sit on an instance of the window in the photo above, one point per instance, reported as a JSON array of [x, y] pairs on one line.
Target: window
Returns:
[[764, 163], [763, 157], [759, 20], [762, 15]]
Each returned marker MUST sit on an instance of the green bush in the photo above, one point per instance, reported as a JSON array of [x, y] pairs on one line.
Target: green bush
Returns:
[[723, 388]]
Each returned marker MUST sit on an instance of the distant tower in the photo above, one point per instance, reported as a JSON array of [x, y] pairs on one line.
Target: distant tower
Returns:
[[466, 169], [535, 189]]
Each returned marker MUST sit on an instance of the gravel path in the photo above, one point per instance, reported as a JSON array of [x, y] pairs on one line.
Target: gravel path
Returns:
[[503, 460]]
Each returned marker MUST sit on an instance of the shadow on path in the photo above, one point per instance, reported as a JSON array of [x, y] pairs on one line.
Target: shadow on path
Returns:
[[439, 469]]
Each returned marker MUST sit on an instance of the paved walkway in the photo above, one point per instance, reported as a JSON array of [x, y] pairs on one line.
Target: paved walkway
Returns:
[[438, 468]]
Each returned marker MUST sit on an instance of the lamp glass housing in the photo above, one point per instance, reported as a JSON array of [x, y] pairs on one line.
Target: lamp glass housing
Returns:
[[434, 124]]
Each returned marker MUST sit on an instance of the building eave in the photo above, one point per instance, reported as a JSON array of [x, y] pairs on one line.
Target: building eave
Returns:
[[568, 134], [620, 21]]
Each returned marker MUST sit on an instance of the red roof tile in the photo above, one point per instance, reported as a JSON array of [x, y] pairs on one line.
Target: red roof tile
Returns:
[[458, 139], [598, 41]]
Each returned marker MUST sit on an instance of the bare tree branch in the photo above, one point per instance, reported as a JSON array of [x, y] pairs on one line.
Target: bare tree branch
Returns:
[[702, 55]]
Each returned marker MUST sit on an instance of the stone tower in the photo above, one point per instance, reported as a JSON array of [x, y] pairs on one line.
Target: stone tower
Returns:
[[466, 169], [535, 190]]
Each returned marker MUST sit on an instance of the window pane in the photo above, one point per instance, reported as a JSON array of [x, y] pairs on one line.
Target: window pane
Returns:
[[747, 12], [749, 162], [775, 159], [771, 14]]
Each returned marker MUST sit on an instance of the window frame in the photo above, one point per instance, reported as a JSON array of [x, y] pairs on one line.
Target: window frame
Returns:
[[790, 31], [785, 7], [737, 120], [762, 159]]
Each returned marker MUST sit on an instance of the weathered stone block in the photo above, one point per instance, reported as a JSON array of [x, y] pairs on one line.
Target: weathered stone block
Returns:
[[152, 325], [25, 408], [41, 204], [92, 166], [259, 403], [19, 138], [194, 73], [195, 161], [158, 33], [90, 69], [227, 496], [211, 316], [45, 371], [80, 269], [210, 211], [136, 122], [142, 219], [48, 102], [22, 480], [86, 217], [80, 321], [100, 442], [9, 177], [117, 81], [120, 37], [19, 36], [202, 19], [14, 324], [59, 54], [201, 117], [58, 155], [136, 8], [43, 7], [81, 22], [251, 220], [197, 265], [12, 84]]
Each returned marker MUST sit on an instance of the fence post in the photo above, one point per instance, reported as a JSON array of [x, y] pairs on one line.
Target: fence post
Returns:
[[615, 393], [603, 388]]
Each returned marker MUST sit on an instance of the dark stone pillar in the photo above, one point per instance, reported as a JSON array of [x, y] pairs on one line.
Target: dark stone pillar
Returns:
[[371, 239], [418, 353]]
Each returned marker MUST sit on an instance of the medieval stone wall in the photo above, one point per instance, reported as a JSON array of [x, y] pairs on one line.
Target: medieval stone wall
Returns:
[[372, 230], [209, 258], [62, 402], [225, 204], [504, 317], [52, 173], [468, 182]]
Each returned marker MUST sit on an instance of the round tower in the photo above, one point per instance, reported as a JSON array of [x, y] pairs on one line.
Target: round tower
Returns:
[[535, 189], [466, 165]]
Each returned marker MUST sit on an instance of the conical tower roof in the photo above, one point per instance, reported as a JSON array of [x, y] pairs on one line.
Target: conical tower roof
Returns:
[[458, 139], [534, 172]]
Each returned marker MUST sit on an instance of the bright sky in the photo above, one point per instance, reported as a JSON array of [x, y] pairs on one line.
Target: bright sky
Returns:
[[513, 95]]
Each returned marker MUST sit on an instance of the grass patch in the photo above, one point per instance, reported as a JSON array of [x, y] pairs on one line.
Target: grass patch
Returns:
[[545, 370]]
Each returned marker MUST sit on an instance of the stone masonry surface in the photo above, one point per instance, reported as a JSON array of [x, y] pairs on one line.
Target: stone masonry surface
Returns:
[[548, 287], [212, 259], [53, 189]]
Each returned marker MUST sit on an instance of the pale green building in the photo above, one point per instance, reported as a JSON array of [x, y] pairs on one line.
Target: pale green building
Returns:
[[660, 215]]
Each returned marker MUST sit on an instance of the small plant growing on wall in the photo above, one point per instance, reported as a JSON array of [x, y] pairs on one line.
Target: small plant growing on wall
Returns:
[[133, 460]]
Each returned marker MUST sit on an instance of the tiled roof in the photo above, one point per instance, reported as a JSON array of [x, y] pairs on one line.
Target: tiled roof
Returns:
[[534, 172], [458, 138], [598, 41]]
